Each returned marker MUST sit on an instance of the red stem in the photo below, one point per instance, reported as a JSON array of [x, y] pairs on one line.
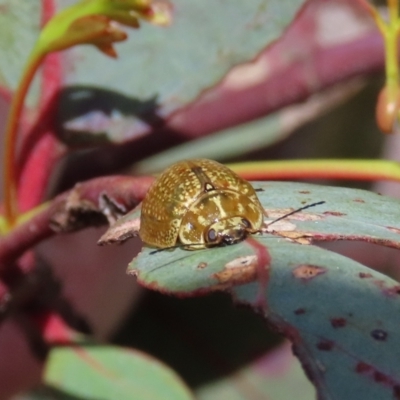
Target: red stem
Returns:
[[10, 183], [40, 149], [126, 191]]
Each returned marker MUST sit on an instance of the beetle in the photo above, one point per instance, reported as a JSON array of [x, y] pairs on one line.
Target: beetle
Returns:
[[199, 203]]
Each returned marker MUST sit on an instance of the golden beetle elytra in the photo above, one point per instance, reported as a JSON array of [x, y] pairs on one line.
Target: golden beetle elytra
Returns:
[[199, 203]]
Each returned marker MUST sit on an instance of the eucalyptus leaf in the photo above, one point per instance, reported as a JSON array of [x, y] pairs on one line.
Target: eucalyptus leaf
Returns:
[[341, 316], [107, 372], [161, 70]]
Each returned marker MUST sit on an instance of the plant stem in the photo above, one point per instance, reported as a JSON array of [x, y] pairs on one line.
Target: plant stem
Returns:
[[360, 170], [388, 105], [17, 104], [391, 53]]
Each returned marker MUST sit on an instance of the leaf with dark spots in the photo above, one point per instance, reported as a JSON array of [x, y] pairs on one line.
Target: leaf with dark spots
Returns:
[[362, 221], [388, 384], [330, 319], [338, 290], [324, 340]]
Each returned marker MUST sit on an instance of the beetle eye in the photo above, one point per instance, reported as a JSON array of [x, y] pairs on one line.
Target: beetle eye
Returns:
[[246, 223], [212, 235]]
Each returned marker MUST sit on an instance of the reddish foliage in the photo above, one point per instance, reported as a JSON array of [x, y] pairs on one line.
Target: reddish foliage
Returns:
[[41, 149]]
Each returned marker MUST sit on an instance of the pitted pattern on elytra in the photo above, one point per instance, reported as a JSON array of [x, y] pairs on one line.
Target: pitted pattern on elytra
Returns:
[[191, 195]]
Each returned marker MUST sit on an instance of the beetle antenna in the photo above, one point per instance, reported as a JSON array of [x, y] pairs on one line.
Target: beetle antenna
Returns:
[[296, 211]]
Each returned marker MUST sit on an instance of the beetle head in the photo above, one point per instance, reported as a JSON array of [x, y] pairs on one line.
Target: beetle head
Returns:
[[227, 231]]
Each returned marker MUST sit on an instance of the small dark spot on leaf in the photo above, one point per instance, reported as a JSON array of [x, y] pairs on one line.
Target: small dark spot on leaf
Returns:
[[396, 392], [259, 190], [362, 368], [202, 265], [379, 334], [338, 322], [325, 345], [300, 311], [364, 275], [307, 272], [304, 191], [379, 377], [393, 229], [359, 200], [388, 291], [392, 291], [334, 213], [395, 289]]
